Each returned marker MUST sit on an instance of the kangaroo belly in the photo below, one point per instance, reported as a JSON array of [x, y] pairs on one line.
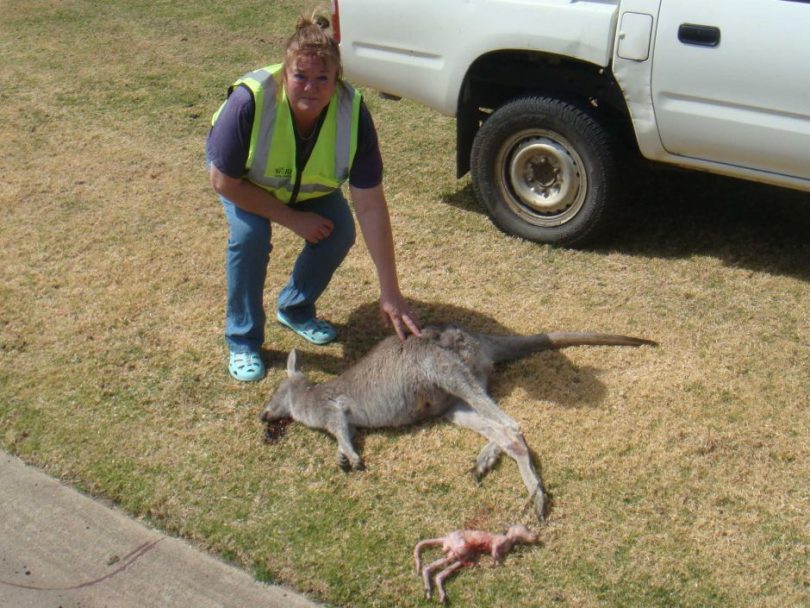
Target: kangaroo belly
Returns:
[[400, 409]]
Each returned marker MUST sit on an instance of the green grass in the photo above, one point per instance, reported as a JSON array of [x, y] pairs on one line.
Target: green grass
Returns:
[[679, 474]]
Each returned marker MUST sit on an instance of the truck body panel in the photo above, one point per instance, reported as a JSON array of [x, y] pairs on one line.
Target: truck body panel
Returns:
[[744, 101], [718, 86], [422, 49]]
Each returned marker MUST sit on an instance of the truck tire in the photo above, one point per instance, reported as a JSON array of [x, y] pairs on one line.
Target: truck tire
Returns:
[[545, 170]]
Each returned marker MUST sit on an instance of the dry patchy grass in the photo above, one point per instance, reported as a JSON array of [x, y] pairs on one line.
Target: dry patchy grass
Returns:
[[680, 474]]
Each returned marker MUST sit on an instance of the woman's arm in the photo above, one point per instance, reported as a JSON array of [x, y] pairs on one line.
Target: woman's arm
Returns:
[[375, 224], [251, 198]]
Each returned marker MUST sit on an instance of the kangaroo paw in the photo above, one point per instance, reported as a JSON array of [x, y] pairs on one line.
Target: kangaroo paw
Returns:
[[486, 461], [348, 464]]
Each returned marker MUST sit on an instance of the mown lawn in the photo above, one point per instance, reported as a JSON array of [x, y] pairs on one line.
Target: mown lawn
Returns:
[[680, 474]]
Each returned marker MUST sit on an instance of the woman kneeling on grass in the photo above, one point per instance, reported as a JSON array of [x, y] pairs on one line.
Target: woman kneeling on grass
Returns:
[[280, 147]]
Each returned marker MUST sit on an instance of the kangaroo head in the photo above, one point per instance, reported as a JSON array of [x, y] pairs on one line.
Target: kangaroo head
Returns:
[[522, 534], [282, 403]]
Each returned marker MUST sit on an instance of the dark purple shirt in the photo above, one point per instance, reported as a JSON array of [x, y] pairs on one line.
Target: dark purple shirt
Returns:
[[229, 141]]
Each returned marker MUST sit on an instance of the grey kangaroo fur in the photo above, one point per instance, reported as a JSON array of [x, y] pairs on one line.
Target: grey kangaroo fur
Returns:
[[444, 372]]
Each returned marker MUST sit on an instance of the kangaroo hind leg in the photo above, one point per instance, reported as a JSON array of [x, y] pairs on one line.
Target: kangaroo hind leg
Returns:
[[455, 378], [510, 440]]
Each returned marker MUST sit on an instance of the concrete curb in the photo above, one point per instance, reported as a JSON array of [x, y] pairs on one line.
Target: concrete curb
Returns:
[[60, 548]]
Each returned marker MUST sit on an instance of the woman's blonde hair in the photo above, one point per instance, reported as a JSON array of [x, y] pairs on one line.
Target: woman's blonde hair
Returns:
[[311, 38]]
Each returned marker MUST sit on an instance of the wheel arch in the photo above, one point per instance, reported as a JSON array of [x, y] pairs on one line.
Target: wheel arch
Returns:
[[500, 76]]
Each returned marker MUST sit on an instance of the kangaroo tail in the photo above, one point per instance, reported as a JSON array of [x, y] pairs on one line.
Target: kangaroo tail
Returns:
[[507, 348]]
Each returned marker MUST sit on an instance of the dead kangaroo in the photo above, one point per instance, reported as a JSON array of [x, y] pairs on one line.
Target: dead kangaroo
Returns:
[[444, 372]]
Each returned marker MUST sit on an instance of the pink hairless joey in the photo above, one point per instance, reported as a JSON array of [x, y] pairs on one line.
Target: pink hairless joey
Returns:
[[461, 548]]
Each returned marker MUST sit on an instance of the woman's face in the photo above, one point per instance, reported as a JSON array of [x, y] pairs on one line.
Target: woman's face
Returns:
[[310, 83]]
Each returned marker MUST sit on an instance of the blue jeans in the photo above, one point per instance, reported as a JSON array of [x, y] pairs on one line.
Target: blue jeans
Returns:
[[247, 257]]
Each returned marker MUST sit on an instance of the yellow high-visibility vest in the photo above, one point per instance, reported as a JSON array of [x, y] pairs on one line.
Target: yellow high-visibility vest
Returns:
[[271, 156]]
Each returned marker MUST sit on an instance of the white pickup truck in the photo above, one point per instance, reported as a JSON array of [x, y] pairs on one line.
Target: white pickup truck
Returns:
[[550, 95]]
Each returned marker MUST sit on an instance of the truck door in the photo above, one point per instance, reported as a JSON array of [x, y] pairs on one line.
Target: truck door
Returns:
[[731, 82]]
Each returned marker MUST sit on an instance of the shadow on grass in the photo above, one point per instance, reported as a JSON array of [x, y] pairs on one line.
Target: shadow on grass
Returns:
[[463, 199], [678, 214], [745, 225], [548, 375]]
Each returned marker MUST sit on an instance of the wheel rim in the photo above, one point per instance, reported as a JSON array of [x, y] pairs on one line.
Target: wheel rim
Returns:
[[542, 177]]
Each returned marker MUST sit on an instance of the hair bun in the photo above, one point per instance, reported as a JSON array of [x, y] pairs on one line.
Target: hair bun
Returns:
[[316, 20]]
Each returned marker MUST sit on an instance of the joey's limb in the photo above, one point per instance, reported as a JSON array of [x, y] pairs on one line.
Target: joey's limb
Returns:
[[428, 571], [339, 426], [501, 545], [442, 576], [420, 546], [511, 441]]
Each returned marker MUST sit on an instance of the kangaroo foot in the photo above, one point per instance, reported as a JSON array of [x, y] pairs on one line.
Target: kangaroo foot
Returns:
[[347, 464]]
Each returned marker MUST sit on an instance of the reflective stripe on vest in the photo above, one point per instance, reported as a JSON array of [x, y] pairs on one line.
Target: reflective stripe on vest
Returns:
[[272, 153]]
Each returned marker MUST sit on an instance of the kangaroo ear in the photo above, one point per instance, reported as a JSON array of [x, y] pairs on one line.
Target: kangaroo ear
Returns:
[[292, 363]]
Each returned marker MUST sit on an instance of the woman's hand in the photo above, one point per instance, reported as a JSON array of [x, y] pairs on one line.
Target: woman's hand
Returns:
[[251, 198], [396, 313], [311, 226]]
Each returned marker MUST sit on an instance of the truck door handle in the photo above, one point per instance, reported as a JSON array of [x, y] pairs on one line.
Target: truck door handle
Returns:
[[700, 35]]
